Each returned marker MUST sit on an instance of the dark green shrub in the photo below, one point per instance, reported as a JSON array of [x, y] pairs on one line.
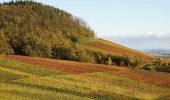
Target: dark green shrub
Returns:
[[168, 64], [63, 51], [117, 60]]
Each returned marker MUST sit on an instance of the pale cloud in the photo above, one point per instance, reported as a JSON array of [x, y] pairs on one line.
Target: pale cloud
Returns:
[[146, 40], [157, 34], [144, 35]]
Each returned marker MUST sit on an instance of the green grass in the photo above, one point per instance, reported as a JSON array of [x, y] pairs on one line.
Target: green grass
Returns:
[[23, 81]]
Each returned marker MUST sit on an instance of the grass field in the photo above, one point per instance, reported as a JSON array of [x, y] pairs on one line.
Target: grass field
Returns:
[[25, 78]]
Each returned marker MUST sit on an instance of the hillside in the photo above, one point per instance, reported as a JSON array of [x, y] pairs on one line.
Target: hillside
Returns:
[[33, 29], [48, 54], [31, 78], [108, 47]]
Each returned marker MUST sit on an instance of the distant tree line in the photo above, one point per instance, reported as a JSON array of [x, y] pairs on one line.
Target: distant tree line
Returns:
[[20, 2]]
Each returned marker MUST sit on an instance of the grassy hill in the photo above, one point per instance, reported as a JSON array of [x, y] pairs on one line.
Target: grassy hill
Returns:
[[37, 78]]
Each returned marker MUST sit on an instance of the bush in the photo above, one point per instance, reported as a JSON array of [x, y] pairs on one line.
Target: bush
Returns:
[[157, 65], [133, 61], [150, 67], [168, 64], [114, 60], [63, 51], [117, 60], [72, 52], [98, 57], [33, 46]]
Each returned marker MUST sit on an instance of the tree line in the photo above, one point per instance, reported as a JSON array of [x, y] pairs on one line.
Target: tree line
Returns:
[[21, 2]]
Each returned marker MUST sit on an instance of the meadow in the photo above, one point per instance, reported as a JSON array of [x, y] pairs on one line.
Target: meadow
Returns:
[[46, 79]]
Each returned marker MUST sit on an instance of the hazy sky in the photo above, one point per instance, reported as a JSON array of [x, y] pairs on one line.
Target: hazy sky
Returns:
[[120, 20]]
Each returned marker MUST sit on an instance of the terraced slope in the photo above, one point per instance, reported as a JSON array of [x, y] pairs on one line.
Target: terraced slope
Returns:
[[108, 47], [45, 79]]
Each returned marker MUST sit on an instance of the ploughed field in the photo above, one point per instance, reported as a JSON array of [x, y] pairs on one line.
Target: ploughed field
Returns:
[[26, 78]]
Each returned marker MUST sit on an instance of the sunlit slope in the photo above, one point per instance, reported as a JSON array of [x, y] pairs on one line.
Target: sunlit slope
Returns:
[[108, 47], [19, 79]]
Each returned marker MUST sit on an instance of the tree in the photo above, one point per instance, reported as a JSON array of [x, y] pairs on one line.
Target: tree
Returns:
[[36, 47]]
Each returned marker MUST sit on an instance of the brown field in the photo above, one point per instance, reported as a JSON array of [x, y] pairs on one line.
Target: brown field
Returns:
[[155, 78]]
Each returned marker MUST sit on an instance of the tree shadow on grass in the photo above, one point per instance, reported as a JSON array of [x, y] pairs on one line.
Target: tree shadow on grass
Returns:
[[76, 93]]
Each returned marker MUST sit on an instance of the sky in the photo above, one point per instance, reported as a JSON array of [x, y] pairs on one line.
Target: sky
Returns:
[[138, 24]]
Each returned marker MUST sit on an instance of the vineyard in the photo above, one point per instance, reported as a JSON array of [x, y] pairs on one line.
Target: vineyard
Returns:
[[38, 78], [108, 47]]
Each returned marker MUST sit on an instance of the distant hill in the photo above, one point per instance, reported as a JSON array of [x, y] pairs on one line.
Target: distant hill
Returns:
[[34, 29], [159, 52]]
